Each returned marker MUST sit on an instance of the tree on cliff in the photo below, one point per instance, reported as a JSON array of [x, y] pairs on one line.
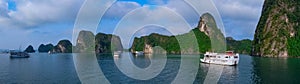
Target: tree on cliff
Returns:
[[63, 46], [278, 31], [45, 48]]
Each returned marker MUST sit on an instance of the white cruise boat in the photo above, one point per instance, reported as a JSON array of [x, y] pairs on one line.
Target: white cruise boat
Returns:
[[117, 53], [228, 58]]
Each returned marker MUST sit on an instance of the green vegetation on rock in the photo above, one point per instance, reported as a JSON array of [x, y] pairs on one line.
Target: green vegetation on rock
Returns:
[[205, 34], [85, 42], [239, 46], [101, 43], [63, 46], [277, 33], [294, 42], [208, 36], [45, 48], [171, 43], [106, 43], [208, 25]]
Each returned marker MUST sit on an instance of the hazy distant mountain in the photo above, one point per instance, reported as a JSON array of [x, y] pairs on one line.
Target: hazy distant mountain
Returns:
[[29, 49]]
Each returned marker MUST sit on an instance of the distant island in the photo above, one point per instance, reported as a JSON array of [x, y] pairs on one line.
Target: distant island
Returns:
[[45, 48], [63, 46], [86, 42], [107, 43], [99, 43], [29, 49]]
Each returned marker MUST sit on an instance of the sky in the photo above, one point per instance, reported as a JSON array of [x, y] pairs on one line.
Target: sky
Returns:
[[35, 22]]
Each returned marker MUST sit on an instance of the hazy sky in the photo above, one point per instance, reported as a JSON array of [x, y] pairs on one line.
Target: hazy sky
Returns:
[[33, 22]]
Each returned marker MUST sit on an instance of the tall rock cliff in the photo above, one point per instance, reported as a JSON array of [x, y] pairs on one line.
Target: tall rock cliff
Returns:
[[277, 33], [101, 43], [63, 46], [107, 43], [208, 25], [85, 42]]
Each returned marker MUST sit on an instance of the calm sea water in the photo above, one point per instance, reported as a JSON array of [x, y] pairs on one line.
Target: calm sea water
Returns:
[[59, 68]]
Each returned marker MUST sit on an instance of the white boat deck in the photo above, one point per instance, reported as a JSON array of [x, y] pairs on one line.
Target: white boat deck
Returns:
[[228, 58]]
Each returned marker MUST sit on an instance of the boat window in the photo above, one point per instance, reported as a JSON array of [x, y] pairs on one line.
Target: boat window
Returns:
[[236, 57], [207, 56], [226, 57]]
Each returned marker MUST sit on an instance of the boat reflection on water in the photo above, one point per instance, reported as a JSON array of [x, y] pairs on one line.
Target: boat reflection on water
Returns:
[[141, 61], [230, 74], [117, 54]]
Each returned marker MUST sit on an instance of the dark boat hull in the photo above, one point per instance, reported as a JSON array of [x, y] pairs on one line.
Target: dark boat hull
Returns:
[[19, 55]]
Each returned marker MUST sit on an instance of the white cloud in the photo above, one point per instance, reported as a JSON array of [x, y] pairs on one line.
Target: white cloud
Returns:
[[185, 10], [120, 8], [240, 17], [252, 3], [149, 16], [36, 15], [156, 2], [32, 13], [3, 9], [236, 9], [178, 6]]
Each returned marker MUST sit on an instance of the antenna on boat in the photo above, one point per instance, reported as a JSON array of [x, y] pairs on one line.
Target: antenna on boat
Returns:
[[20, 47]]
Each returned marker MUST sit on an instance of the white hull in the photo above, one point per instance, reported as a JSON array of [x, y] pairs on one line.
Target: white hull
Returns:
[[220, 62]]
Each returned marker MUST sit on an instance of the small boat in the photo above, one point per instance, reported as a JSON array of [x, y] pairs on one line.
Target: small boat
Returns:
[[19, 55], [228, 58], [117, 53], [137, 53]]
